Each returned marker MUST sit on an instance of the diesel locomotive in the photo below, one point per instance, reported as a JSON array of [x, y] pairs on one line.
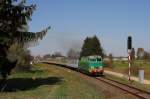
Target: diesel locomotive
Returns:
[[91, 64]]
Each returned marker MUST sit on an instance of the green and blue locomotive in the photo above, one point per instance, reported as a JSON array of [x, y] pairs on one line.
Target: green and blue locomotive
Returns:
[[91, 64]]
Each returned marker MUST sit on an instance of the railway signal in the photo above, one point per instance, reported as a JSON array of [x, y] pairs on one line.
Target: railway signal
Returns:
[[129, 48], [129, 44]]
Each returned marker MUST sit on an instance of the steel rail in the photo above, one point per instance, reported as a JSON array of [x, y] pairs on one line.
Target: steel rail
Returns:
[[127, 88]]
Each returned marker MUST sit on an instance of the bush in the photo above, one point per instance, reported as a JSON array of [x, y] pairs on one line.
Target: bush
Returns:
[[22, 55], [123, 62], [134, 70], [108, 63]]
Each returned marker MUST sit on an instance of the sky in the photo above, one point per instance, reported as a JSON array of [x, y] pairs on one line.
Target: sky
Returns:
[[72, 21]]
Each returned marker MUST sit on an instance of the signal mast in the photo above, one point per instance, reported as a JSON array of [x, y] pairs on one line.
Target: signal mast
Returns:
[[129, 49]]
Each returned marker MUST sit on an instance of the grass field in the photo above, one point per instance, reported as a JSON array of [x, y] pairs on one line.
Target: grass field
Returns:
[[132, 83], [122, 67], [50, 82], [53, 82]]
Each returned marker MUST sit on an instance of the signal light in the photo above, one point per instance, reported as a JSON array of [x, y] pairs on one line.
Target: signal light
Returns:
[[129, 43]]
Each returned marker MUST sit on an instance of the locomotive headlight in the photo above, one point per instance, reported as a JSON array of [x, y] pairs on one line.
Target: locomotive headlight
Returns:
[[92, 67], [100, 67]]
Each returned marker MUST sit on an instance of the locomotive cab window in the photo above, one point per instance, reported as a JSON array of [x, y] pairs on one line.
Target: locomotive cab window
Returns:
[[92, 60], [99, 59]]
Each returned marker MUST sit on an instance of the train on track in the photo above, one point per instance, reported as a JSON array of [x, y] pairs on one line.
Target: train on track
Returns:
[[94, 65], [91, 64]]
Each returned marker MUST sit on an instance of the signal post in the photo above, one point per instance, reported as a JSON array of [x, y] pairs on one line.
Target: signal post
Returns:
[[129, 48]]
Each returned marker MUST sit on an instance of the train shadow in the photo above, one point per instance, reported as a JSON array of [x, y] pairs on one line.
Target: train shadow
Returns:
[[98, 75], [22, 84]]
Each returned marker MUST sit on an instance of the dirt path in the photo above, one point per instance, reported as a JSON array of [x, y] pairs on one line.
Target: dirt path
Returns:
[[125, 76]]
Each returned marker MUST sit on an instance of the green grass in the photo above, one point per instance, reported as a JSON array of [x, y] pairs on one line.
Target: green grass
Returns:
[[52, 82], [133, 83], [49, 83], [122, 67]]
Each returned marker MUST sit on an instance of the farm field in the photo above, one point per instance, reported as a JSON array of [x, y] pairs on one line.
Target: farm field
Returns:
[[52, 82]]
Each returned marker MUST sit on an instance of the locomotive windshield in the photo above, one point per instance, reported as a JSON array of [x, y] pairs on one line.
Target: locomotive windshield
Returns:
[[99, 59], [92, 59], [95, 59]]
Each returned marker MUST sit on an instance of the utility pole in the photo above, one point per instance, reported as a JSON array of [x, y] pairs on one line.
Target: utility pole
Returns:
[[129, 48]]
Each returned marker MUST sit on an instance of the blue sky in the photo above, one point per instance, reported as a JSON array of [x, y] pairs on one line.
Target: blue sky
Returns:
[[73, 20]]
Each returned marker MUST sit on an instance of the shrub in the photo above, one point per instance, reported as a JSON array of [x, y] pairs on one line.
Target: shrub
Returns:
[[22, 55], [108, 63]]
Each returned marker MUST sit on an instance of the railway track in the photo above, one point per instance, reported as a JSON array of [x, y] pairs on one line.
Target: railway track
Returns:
[[127, 88], [132, 90]]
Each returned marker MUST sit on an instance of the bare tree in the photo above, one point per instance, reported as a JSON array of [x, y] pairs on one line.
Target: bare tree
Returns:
[[140, 53], [73, 54], [132, 54], [110, 56]]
